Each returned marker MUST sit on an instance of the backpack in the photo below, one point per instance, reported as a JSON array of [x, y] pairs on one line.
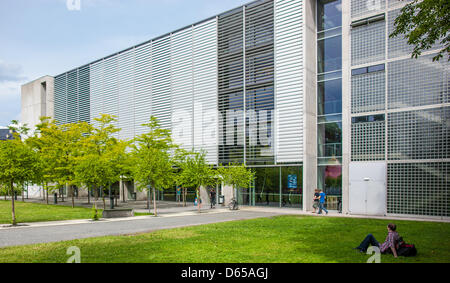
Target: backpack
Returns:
[[405, 249]]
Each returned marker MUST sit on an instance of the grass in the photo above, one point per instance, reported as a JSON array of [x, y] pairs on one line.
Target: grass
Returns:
[[33, 212], [142, 214], [284, 239]]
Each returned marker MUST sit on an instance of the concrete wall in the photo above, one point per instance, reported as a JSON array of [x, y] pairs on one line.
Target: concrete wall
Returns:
[[37, 101], [310, 104]]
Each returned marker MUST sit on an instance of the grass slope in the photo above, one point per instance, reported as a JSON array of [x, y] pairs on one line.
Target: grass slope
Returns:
[[283, 239], [33, 212]]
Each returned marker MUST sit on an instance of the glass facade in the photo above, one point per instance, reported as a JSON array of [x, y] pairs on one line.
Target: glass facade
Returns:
[[275, 187], [329, 98]]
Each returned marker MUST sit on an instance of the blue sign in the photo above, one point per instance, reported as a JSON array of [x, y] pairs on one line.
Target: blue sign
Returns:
[[292, 182]]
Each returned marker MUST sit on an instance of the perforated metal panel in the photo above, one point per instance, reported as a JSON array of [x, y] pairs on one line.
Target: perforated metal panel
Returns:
[[421, 134], [419, 188], [289, 80], [418, 82], [362, 7], [368, 141], [368, 43], [368, 92]]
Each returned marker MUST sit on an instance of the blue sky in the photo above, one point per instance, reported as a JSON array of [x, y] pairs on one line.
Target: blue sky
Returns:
[[44, 37]]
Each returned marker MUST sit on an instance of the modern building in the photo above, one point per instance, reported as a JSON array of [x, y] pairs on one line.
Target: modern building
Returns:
[[309, 93]]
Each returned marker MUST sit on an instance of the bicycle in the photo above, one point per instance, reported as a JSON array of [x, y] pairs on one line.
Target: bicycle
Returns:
[[233, 205]]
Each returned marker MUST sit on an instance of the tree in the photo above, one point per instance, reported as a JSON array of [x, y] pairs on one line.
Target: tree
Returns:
[[59, 146], [152, 168], [19, 164], [178, 160], [425, 23], [197, 173], [98, 164], [237, 176]]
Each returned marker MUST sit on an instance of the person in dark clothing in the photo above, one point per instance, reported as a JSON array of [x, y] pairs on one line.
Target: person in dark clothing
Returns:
[[316, 200], [212, 195]]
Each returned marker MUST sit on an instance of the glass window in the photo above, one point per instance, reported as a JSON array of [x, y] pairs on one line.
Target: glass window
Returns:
[[330, 54], [330, 97], [292, 190], [330, 139], [267, 186], [377, 68], [330, 181], [359, 71], [329, 14]]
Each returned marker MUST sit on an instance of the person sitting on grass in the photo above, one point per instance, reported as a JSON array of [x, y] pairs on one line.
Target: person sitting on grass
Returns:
[[390, 245]]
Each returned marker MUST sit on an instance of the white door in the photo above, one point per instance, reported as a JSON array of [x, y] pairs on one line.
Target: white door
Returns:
[[367, 192]]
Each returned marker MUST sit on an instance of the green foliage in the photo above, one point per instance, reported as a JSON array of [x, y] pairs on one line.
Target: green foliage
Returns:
[[236, 175], [196, 172], [423, 24], [99, 163], [95, 213], [151, 157]]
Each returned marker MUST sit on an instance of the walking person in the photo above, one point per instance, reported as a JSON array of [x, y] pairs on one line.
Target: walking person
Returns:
[[212, 195], [316, 200], [322, 196]]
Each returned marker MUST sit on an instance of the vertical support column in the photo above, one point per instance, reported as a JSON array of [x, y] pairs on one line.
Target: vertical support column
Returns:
[[310, 104], [346, 103], [244, 84]]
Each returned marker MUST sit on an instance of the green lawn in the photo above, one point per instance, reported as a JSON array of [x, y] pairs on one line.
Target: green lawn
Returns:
[[282, 239], [33, 212]]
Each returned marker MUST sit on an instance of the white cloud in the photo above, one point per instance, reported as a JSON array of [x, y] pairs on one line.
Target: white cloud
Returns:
[[10, 72]]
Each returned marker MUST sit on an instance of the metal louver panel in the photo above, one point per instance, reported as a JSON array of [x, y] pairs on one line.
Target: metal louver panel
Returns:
[[205, 89], [182, 87], [231, 86], [161, 82], [96, 86], [142, 87], [84, 94], [110, 89], [289, 80], [72, 96], [126, 94], [259, 82], [60, 97]]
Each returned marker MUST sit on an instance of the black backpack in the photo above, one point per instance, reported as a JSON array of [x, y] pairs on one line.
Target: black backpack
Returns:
[[405, 249]]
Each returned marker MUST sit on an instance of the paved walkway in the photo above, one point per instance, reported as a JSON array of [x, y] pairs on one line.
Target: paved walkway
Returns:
[[79, 229]]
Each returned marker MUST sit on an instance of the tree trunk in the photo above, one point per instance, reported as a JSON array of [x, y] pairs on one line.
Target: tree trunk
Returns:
[[72, 194], [23, 195], [46, 191], [198, 200], [184, 197], [154, 201], [89, 195], [13, 222]]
